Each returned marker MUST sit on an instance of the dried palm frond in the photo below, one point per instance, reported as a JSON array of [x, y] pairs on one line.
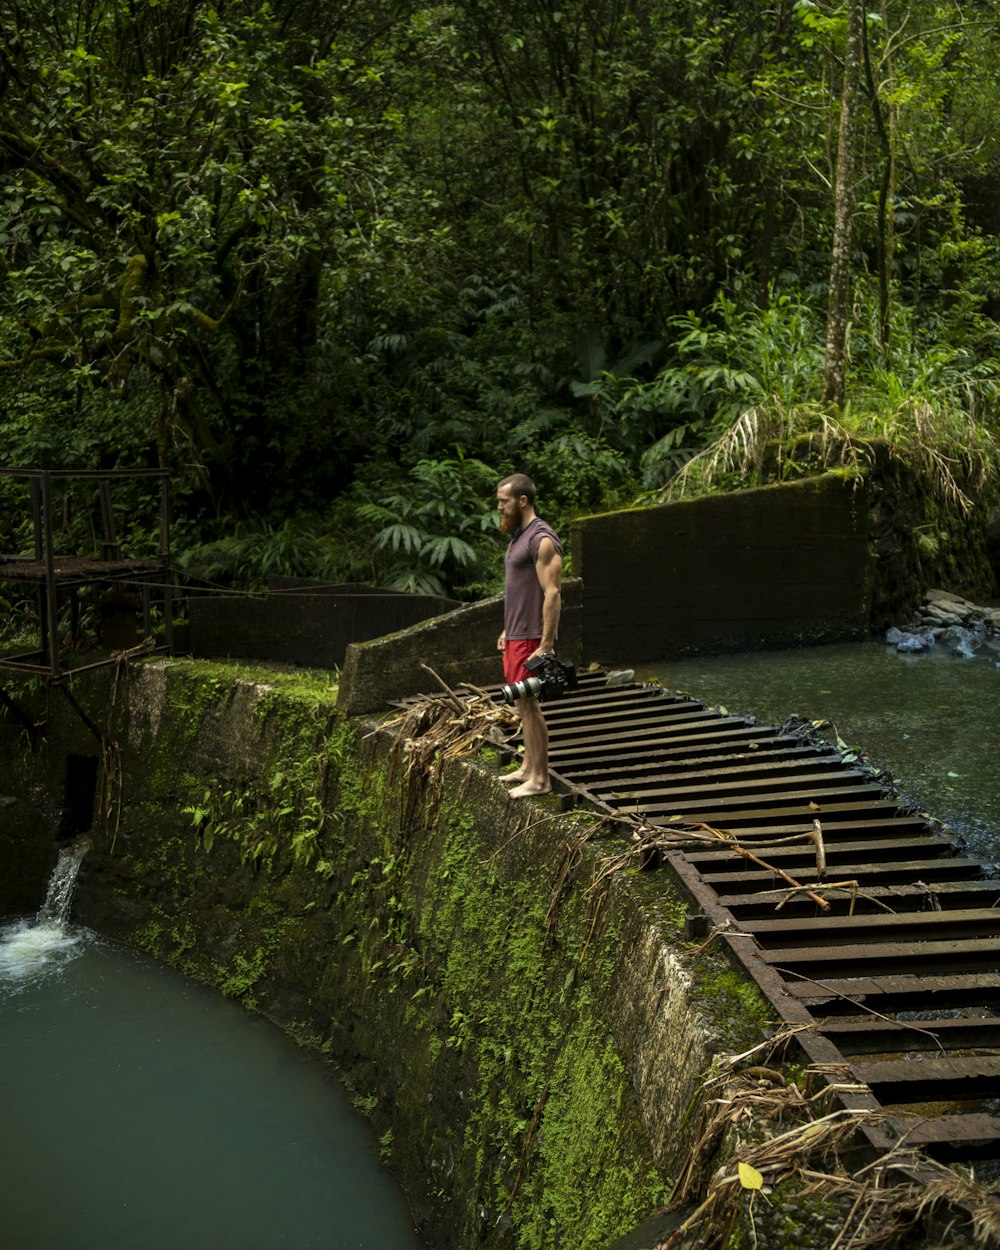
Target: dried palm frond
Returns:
[[943, 439], [891, 1213], [432, 728], [743, 447], [878, 1205]]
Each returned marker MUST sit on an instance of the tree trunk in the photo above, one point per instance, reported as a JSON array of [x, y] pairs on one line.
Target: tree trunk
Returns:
[[843, 211]]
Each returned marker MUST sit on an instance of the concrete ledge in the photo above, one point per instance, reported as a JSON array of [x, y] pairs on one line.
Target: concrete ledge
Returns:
[[460, 646]]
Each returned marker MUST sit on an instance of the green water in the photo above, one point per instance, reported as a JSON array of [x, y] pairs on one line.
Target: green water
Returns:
[[142, 1112], [931, 718]]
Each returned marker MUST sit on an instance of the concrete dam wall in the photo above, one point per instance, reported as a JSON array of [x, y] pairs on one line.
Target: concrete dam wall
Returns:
[[523, 1025], [513, 1002]]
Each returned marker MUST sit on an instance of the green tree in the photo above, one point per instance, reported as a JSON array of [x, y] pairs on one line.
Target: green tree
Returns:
[[181, 187], [843, 210]]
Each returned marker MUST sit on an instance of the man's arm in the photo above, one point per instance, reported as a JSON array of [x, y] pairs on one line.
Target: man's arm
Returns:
[[548, 566]]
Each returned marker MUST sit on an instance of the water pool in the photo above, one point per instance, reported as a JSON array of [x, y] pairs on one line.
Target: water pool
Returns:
[[142, 1110]]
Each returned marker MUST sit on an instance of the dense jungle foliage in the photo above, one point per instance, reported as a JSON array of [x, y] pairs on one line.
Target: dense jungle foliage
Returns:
[[339, 265]]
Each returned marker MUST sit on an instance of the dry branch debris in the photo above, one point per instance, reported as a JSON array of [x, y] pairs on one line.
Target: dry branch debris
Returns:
[[874, 1208]]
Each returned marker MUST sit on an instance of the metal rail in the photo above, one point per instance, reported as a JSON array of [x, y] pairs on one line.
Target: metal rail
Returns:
[[899, 981], [56, 577]]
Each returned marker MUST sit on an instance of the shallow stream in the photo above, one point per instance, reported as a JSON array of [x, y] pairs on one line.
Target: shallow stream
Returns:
[[932, 719]]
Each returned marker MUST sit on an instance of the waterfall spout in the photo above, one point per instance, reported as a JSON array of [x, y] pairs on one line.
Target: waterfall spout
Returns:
[[55, 909]]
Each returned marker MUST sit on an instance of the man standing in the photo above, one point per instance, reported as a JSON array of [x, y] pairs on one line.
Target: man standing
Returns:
[[531, 606]]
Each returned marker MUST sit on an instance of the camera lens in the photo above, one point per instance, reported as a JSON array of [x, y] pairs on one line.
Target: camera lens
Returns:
[[526, 689]]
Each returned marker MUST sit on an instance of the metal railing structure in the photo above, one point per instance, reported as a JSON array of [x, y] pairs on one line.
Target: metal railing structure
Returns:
[[57, 577]]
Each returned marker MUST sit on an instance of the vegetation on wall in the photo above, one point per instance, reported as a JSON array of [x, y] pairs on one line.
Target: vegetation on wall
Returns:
[[309, 874], [324, 262]]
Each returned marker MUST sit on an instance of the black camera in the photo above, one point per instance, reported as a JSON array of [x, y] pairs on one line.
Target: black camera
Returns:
[[553, 678]]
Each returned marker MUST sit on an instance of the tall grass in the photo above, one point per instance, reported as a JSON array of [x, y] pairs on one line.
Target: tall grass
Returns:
[[757, 374]]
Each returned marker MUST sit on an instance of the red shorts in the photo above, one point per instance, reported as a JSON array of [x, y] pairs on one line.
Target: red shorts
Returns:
[[515, 652]]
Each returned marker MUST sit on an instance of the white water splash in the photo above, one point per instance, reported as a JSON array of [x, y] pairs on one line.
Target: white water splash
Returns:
[[29, 949]]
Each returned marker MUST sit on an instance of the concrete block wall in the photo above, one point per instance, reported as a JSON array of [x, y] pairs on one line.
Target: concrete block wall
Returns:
[[771, 567], [302, 623]]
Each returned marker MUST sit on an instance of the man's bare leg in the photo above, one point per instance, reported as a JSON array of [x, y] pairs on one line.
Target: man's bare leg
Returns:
[[535, 769]]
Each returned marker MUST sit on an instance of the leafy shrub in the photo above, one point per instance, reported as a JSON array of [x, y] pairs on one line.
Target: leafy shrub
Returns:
[[437, 526], [251, 552]]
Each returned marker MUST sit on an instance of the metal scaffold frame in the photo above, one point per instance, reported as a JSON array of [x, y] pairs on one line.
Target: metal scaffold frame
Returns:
[[58, 577]]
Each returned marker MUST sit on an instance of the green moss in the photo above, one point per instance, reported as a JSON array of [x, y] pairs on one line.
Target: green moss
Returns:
[[553, 1125], [425, 933], [587, 1091], [238, 979], [733, 993]]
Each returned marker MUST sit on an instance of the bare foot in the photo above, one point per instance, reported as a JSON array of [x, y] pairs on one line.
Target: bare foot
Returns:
[[530, 789], [513, 778]]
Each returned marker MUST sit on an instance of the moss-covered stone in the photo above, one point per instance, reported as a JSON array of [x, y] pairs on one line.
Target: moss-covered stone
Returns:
[[526, 1041]]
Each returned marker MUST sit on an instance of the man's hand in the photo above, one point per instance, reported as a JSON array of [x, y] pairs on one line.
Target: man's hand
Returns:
[[502, 640]]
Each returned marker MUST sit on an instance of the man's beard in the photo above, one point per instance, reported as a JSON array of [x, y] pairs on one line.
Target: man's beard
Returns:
[[509, 522]]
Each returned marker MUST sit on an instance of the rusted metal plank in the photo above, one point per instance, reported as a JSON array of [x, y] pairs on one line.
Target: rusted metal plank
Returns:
[[704, 745], [881, 927], [620, 701], [626, 742], [836, 961], [874, 1035], [722, 737], [902, 993], [613, 704], [652, 716], [878, 849], [869, 827], [629, 734], [941, 869], [765, 765], [780, 785], [788, 759], [737, 817], [920, 1079], [898, 898], [946, 1129]]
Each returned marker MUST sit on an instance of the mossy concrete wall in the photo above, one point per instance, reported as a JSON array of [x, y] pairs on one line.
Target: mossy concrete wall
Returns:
[[305, 624], [830, 557], [524, 1027], [776, 566]]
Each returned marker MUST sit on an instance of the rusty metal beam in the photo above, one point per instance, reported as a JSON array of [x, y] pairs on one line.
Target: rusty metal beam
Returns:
[[874, 928], [948, 1129], [873, 1035]]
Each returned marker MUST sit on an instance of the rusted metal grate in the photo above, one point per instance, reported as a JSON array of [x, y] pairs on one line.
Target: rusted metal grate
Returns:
[[900, 982]]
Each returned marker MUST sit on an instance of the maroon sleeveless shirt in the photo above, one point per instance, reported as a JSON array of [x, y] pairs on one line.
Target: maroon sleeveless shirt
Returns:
[[522, 592]]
